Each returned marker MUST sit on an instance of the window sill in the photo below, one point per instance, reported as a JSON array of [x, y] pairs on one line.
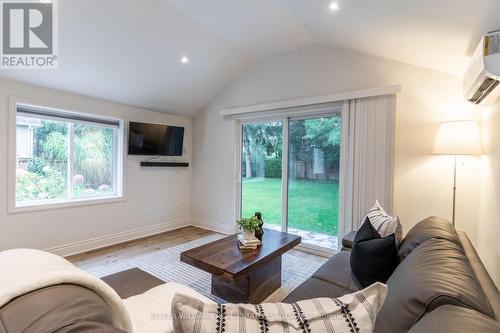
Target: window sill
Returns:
[[65, 204]]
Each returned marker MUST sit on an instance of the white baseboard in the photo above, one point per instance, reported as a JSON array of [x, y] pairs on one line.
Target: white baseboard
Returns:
[[108, 240], [213, 226], [99, 242]]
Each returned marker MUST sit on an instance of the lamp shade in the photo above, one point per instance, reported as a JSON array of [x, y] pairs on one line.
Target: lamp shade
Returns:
[[458, 138]]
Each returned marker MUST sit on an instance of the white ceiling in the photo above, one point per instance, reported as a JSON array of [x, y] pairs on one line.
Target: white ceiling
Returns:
[[437, 34], [128, 51]]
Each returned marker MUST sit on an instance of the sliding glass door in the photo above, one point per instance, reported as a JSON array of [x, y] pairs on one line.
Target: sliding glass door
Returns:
[[313, 179], [290, 173], [261, 163]]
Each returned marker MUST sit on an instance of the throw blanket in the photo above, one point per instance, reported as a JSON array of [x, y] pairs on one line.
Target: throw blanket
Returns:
[[26, 270]]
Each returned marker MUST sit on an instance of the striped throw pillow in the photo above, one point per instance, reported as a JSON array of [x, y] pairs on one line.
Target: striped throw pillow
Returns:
[[384, 223], [350, 313]]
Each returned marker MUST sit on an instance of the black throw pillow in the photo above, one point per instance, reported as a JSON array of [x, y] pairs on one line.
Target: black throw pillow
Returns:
[[373, 258]]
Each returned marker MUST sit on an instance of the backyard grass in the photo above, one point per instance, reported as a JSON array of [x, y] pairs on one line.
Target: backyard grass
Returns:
[[313, 205]]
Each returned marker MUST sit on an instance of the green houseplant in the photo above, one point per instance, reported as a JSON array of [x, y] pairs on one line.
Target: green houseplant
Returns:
[[248, 225]]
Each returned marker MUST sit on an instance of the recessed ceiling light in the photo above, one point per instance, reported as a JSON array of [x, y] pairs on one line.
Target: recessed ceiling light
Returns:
[[184, 59], [45, 1], [334, 6]]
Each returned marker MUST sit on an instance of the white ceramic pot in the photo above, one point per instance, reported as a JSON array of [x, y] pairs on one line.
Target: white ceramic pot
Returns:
[[248, 235]]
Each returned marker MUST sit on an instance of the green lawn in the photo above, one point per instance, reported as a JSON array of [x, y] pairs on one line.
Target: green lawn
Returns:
[[313, 205]]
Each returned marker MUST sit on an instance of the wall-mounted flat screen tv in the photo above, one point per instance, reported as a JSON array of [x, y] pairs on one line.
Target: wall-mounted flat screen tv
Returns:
[[155, 140]]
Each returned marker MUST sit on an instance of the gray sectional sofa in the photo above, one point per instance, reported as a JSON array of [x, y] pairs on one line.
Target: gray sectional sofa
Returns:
[[440, 284]]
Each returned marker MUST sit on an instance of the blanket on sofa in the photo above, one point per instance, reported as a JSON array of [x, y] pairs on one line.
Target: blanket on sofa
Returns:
[[26, 270]]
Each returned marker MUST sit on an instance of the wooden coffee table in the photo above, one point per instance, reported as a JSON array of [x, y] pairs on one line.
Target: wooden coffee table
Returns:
[[243, 276]]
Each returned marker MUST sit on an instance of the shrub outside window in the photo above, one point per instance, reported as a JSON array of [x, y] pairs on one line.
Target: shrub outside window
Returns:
[[65, 157]]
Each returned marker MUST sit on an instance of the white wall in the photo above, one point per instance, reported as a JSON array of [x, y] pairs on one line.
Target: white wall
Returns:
[[489, 216], [423, 182], [155, 199]]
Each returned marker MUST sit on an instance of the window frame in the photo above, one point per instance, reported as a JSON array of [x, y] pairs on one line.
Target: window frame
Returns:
[[118, 158]]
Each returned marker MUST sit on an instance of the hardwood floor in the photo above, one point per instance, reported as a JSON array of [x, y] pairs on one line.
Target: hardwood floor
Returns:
[[120, 257]]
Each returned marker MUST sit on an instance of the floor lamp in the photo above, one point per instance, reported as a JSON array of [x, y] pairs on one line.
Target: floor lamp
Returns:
[[457, 138]]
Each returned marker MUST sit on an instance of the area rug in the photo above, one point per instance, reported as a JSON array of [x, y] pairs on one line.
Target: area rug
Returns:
[[166, 265]]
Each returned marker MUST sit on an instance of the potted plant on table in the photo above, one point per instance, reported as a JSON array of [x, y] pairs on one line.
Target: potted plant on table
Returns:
[[248, 225]]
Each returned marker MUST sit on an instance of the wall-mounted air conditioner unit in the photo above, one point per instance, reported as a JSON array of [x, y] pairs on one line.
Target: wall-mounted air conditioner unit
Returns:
[[482, 78]]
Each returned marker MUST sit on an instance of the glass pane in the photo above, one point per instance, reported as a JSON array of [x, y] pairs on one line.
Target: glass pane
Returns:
[[261, 172], [41, 149], [313, 179], [92, 161]]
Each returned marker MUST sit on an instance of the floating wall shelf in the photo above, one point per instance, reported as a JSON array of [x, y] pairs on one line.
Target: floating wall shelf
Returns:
[[164, 164]]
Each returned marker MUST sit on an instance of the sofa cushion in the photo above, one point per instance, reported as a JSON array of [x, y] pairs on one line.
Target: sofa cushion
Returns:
[[431, 227], [53, 308], [348, 239], [455, 319], [434, 274], [315, 288], [354, 312], [89, 327], [384, 223], [337, 271], [373, 257]]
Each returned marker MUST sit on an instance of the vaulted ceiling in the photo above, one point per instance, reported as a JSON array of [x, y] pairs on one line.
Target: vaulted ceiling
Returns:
[[129, 51]]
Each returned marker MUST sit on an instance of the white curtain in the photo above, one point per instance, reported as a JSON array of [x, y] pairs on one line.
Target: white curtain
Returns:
[[369, 157]]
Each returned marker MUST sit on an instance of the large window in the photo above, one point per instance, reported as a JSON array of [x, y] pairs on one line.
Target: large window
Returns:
[[65, 157]]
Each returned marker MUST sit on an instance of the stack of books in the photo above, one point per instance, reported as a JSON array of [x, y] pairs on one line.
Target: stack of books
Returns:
[[251, 244]]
